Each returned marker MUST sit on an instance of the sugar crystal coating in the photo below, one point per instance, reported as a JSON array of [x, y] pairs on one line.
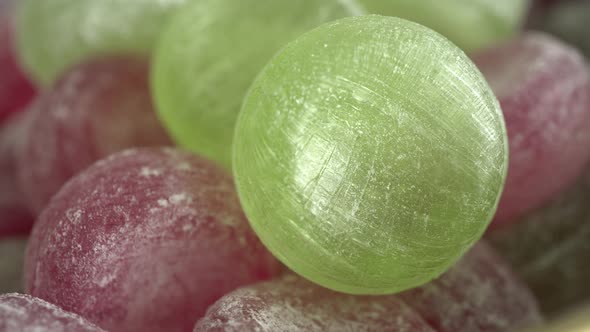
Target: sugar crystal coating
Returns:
[[549, 248], [479, 294], [544, 89], [370, 155], [293, 304], [144, 240], [97, 108], [210, 55], [25, 313], [55, 35]]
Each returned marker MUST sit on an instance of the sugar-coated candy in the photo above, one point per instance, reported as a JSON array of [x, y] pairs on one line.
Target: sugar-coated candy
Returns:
[[471, 24], [370, 154], [568, 20], [95, 109], [144, 240], [24, 313], [544, 89], [15, 89], [15, 217], [55, 35], [210, 55], [479, 294], [549, 248], [293, 304], [12, 257]]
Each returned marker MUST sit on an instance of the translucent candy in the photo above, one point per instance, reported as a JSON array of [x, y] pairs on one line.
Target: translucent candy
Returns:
[[97, 108], [471, 24], [12, 257], [145, 241], [478, 294], [370, 155], [14, 214], [210, 55], [15, 89], [25, 313], [544, 88], [549, 248], [56, 34], [294, 304]]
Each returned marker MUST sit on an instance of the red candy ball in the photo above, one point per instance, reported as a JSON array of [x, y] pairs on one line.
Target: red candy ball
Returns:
[[544, 89], [144, 240], [97, 108], [25, 313]]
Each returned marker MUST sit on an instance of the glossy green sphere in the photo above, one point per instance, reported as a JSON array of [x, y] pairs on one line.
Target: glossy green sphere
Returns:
[[370, 154], [210, 55], [54, 35], [471, 24]]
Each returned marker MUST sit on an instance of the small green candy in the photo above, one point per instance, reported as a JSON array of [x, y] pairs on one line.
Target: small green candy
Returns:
[[370, 154], [210, 55], [54, 35], [471, 24]]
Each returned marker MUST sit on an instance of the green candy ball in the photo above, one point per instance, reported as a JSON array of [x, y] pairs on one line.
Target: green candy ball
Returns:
[[211, 53], [56, 34], [471, 24], [370, 154]]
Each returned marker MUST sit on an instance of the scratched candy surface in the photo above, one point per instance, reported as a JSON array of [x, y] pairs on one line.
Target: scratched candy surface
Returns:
[[25, 313], [544, 89], [366, 163], [95, 109], [144, 240]]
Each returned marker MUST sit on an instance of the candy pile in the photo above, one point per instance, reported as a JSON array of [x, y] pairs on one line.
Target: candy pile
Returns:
[[293, 165]]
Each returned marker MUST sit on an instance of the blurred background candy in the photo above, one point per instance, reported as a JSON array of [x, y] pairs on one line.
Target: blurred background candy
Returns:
[[550, 247], [211, 53], [471, 24], [543, 86], [55, 35], [144, 240], [95, 109], [12, 258]]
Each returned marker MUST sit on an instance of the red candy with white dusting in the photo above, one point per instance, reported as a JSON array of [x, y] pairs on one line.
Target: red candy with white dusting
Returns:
[[544, 89], [479, 294], [15, 89], [144, 240], [25, 313], [14, 215], [294, 304], [94, 110]]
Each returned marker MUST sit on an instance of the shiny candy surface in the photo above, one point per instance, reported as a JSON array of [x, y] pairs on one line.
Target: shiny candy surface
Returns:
[[366, 163], [211, 53]]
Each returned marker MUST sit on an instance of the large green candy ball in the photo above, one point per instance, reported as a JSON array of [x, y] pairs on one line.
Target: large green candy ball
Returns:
[[56, 34], [471, 24], [370, 154], [210, 55]]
